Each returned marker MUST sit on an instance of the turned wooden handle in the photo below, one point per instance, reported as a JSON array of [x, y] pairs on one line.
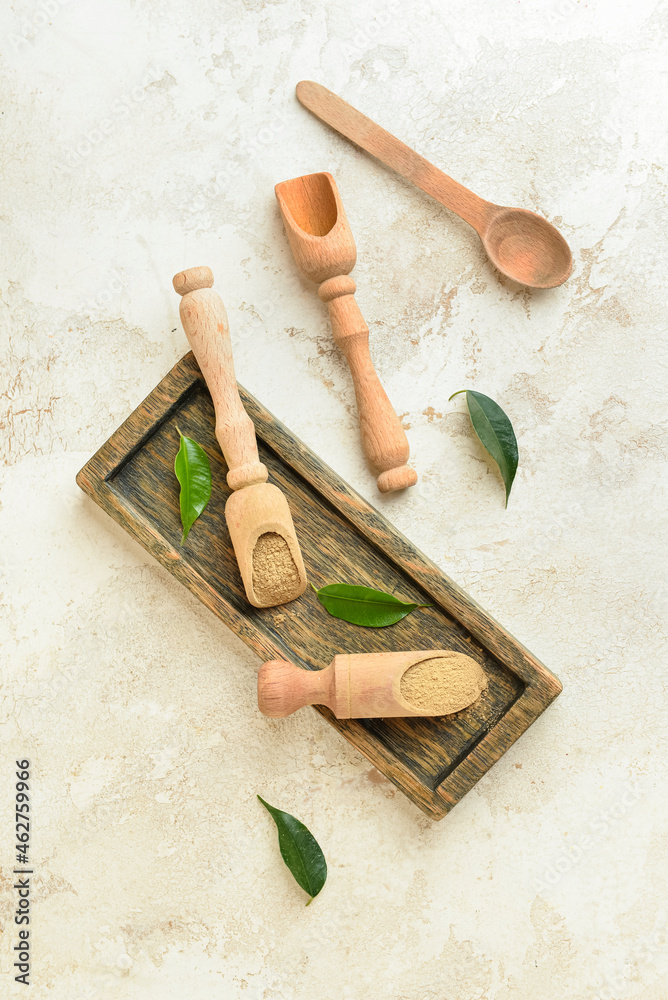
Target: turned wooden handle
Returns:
[[205, 323], [282, 688], [324, 249], [351, 123], [383, 438]]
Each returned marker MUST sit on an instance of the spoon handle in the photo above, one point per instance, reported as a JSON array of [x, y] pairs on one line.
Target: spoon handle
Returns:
[[352, 124]]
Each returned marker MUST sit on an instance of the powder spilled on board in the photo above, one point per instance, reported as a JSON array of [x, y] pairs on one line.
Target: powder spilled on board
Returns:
[[275, 575], [443, 684]]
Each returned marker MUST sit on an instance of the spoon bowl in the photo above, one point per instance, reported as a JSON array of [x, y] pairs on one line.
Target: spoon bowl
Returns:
[[527, 248]]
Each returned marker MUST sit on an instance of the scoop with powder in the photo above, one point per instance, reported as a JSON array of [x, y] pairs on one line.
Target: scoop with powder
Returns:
[[374, 685], [255, 509]]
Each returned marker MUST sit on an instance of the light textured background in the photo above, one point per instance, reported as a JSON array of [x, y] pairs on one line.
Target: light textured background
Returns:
[[142, 137]]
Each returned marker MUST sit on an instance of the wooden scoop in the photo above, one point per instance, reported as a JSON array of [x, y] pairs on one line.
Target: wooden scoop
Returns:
[[522, 245], [257, 514], [324, 250], [374, 685]]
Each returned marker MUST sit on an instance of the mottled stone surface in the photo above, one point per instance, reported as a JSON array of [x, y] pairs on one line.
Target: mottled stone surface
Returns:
[[143, 137]]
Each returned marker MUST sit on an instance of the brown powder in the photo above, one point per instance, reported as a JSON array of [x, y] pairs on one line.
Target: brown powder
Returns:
[[443, 684], [275, 575]]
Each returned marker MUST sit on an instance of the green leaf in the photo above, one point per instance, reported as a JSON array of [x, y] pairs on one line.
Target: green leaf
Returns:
[[496, 433], [194, 474], [300, 851], [363, 606]]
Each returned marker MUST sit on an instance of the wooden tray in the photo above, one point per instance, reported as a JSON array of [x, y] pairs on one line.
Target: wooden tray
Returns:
[[434, 761]]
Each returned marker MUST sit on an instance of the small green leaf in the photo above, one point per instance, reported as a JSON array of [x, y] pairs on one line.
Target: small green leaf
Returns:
[[300, 851], [363, 606], [496, 433], [194, 474]]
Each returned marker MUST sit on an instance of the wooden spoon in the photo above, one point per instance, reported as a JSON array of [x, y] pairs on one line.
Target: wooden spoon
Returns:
[[522, 245]]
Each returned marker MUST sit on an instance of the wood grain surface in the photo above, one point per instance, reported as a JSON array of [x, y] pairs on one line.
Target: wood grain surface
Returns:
[[434, 761]]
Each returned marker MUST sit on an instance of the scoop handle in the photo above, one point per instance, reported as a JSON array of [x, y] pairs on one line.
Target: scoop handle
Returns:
[[205, 323], [351, 123], [283, 687], [383, 438]]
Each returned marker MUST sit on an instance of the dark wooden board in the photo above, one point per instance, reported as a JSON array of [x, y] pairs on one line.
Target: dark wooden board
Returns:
[[434, 761]]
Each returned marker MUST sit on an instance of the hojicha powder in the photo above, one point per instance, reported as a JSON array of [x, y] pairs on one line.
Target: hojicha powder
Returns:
[[275, 575], [443, 684]]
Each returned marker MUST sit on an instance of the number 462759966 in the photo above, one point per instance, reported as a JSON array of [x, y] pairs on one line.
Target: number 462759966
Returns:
[[22, 811]]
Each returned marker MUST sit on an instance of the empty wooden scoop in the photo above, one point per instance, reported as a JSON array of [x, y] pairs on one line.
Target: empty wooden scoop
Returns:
[[522, 245], [324, 250], [374, 685], [257, 514]]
